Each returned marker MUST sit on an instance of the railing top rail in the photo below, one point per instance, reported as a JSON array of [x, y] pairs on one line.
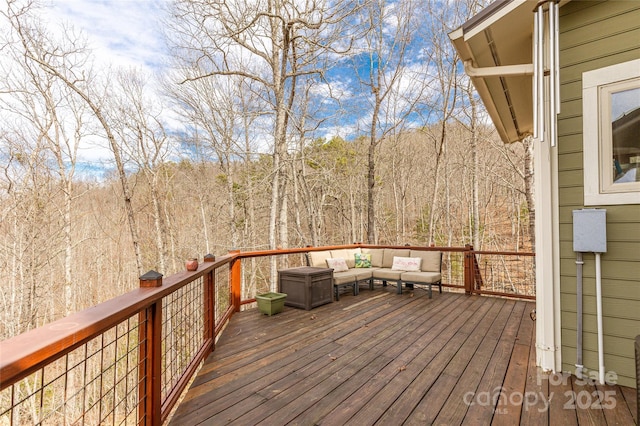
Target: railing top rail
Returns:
[[504, 253], [262, 253], [276, 252], [425, 248], [27, 352]]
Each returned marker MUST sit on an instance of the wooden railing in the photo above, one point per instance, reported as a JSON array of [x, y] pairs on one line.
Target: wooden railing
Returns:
[[129, 359]]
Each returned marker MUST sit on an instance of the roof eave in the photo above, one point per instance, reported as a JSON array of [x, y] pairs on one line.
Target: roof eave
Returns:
[[507, 100]]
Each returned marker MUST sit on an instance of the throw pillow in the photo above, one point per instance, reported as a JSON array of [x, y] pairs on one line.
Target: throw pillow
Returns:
[[408, 264], [363, 260], [338, 264]]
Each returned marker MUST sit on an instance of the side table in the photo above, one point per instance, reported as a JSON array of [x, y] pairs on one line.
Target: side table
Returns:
[[306, 287]]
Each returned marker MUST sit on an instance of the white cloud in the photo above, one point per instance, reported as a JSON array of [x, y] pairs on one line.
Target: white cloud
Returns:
[[121, 32], [338, 89]]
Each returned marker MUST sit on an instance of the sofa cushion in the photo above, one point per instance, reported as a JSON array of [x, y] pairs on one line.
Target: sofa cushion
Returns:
[[318, 259], [406, 264], [347, 254], [345, 277], [363, 260], [376, 256], [338, 264], [431, 260], [421, 277], [351, 276], [389, 254], [363, 273], [387, 274]]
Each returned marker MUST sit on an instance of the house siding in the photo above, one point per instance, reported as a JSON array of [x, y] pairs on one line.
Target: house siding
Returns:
[[594, 35]]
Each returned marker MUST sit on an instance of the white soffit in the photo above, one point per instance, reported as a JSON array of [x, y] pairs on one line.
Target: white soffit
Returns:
[[494, 17], [501, 35]]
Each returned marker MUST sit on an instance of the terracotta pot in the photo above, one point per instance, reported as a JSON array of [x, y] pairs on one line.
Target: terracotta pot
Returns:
[[191, 264]]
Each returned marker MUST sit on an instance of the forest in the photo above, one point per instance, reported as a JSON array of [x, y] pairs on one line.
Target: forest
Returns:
[[275, 124]]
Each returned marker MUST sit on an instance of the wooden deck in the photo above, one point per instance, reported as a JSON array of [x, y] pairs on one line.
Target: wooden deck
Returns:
[[387, 359]]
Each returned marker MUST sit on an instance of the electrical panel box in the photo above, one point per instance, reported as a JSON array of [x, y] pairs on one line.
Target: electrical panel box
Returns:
[[590, 230]]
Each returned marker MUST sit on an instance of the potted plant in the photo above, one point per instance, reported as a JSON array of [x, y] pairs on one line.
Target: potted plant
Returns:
[[270, 303]]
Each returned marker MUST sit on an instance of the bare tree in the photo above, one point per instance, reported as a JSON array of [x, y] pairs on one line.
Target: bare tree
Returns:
[[441, 102], [36, 100], [214, 108], [271, 43], [393, 87], [67, 61], [137, 120]]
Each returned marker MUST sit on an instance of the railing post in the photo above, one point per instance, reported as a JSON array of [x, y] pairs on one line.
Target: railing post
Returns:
[[150, 356], [210, 303], [236, 281], [468, 269]]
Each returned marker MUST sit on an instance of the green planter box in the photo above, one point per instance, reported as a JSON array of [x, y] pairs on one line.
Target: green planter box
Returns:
[[271, 303]]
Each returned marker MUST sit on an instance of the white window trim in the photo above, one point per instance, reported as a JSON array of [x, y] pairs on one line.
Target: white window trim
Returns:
[[592, 81]]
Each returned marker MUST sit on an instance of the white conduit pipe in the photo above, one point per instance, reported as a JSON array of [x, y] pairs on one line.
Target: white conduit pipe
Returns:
[[579, 365], [535, 74], [599, 312], [556, 50], [552, 74], [540, 73]]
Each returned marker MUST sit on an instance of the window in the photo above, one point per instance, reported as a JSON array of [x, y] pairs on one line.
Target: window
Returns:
[[611, 134]]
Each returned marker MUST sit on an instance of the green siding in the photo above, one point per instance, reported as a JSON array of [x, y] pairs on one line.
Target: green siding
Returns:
[[595, 35]]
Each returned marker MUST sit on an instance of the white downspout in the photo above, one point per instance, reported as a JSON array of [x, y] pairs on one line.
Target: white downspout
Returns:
[[546, 101]]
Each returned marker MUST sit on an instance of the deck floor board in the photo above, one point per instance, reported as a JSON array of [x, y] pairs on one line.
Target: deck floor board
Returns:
[[388, 359]]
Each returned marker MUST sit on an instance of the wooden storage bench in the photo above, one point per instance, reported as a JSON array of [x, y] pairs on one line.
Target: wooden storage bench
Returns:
[[306, 287]]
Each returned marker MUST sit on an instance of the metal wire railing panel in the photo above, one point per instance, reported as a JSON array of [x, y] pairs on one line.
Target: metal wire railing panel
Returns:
[[222, 292], [453, 268], [96, 383], [510, 274], [183, 331]]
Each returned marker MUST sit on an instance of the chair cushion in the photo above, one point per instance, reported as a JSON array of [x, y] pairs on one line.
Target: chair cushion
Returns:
[[363, 273], [318, 259], [387, 274], [421, 277], [351, 276], [376, 256], [389, 254], [347, 254], [431, 260], [345, 277]]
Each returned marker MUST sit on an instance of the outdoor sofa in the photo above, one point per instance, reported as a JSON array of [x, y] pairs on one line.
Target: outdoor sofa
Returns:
[[352, 267]]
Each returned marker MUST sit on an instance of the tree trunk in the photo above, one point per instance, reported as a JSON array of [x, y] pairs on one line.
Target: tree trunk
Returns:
[[371, 176], [115, 149], [159, 228], [476, 172], [529, 188], [435, 197]]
